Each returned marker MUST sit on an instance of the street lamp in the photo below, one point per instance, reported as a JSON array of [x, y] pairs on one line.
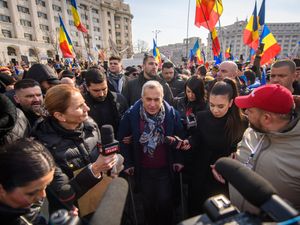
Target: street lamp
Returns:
[[155, 34]]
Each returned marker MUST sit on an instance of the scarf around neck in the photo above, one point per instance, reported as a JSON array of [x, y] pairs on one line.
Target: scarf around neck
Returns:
[[153, 133]]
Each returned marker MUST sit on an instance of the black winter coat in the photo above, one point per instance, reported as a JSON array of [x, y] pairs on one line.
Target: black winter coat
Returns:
[[133, 89], [72, 150]]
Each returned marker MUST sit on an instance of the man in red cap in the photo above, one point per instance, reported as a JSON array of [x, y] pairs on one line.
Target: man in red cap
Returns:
[[271, 145]]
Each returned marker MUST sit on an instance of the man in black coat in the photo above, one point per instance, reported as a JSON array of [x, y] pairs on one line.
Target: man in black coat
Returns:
[[169, 75], [133, 89], [106, 107]]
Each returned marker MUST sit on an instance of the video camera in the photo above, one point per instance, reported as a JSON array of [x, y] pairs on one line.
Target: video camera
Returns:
[[255, 189]]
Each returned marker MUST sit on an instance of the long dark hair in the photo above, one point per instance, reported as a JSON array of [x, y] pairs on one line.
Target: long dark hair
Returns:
[[234, 126], [196, 84], [22, 162]]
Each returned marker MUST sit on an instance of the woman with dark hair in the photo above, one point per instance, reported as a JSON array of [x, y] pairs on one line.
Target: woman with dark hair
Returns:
[[192, 102], [26, 168], [218, 132], [74, 140]]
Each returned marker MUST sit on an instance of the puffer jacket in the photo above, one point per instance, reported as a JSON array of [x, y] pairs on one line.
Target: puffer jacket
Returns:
[[72, 150]]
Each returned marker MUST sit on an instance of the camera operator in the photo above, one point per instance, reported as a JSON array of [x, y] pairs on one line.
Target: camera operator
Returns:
[[26, 168]]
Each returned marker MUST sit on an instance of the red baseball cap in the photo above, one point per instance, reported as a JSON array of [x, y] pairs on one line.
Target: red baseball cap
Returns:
[[272, 98]]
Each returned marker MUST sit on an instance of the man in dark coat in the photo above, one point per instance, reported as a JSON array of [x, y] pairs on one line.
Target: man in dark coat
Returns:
[[169, 75], [147, 157], [133, 89], [106, 107]]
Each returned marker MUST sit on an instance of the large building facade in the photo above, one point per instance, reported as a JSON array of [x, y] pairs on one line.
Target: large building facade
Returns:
[[179, 52], [29, 28], [286, 34]]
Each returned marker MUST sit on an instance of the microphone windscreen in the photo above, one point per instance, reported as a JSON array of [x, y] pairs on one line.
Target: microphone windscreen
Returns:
[[110, 209], [67, 195], [252, 186], [107, 134]]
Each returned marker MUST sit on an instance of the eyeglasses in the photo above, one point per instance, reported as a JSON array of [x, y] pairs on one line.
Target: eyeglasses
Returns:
[[135, 74]]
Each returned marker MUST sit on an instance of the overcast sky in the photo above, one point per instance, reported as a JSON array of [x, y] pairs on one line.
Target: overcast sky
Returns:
[[170, 17]]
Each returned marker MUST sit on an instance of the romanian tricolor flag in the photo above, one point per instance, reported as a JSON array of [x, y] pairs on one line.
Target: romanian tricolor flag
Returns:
[[208, 13], [228, 53], [197, 53], [271, 47], [65, 42], [156, 53], [251, 35], [76, 17], [261, 14], [215, 42]]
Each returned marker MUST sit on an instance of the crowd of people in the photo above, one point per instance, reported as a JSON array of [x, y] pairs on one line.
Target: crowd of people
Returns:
[[172, 123]]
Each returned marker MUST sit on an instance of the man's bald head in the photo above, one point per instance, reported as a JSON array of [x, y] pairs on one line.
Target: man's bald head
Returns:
[[228, 69]]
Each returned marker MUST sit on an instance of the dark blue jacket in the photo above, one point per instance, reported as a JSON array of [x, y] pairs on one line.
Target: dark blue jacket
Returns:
[[130, 125]]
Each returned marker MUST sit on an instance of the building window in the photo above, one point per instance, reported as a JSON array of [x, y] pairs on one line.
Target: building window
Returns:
[[108, 13], [109, 31], [69, 11], [42, 15], [3, 4], [97, 29], [126, 20], [98, 46], [56, 18], [49, 53], [118, 26], [117, 18], [11, 51], [95, 10], [126, 27], [23, 9], [28, 36], [31, 52], [44, 27], [46, 39], [108, 22], [56, 8], [97, 38], [83, 6], [96, 20], [40, 2], [25, 23], [71, 23], [83, 16], [118, 42], [4, 18], [6, 33], [118, 34]]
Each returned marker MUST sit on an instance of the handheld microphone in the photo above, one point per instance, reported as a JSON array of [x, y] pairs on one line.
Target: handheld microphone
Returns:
[[67, 196], [109, 144], [110, 209], [255, 189]]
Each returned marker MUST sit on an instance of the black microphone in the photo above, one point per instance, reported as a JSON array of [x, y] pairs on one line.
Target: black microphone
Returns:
[[110, 208], [257, 190], [67, 196], [109, 144]]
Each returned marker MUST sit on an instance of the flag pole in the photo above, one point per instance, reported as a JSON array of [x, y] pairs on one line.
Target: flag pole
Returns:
[[187, 30], [220, 28]]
